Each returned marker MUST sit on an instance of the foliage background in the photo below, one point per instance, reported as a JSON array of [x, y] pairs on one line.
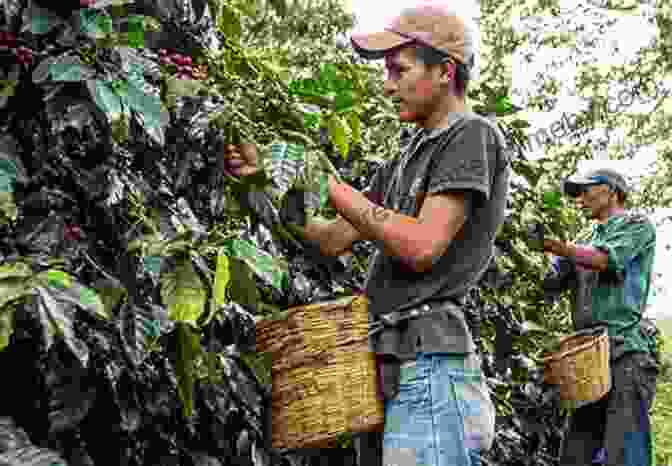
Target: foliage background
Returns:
[[267, 45]]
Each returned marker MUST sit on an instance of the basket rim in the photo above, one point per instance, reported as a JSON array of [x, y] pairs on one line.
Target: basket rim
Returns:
[[343, 301], [558, 356]]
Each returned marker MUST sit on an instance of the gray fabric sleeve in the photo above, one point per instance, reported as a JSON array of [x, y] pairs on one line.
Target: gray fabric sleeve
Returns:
[[466, 163], [375, 191]]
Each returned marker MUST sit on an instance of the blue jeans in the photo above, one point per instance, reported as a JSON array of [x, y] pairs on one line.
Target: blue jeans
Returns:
[[442, 416]]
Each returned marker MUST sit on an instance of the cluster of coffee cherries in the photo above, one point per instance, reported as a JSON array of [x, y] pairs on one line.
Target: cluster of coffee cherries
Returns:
[[86, 3], [184, 65], [8, 42], [72, 232]]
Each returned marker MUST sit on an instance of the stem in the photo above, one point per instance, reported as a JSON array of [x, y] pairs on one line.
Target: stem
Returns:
[[330, 167]]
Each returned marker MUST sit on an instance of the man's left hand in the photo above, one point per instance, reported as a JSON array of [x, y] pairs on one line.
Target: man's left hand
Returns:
[[558, 248]]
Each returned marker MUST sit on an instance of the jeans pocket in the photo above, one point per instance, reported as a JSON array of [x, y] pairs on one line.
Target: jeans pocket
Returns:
[[478, 414], [414, 387]]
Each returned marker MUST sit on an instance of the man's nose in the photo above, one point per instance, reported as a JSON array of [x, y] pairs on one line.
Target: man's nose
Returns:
[[389, 87]]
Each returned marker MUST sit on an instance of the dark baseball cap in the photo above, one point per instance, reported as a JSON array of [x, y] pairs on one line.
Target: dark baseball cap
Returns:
[[575, 184]]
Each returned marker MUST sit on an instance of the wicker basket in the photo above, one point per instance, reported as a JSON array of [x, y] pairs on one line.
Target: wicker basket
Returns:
[[324, 376], [580, 367]]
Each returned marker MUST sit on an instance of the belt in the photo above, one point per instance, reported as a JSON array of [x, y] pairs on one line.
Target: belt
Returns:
[[392, 319]]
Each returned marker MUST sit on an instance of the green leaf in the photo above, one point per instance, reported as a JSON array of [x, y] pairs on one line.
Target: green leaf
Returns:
[[222, 278], [256, 182], [57, 317], [110, 293], [503, 106], [261, 364], [152, 264], [280, 6], [521, 124], [285, 165], [148, 105], [153, 243], [339, 135], [324, 190], [120, 128], [95, 23], [552, 199], [90, 301], [66, 289], [297, 139], [140, 329], [228, 22], [328, 77], [136, 31], [318, 99], [311, 120], [214, 7], [305, 88], [15, 270], [70, 69], [344, 102], [242, 287], [531, 175], [8, 87], [151, 24], [8, 207], [6, 326], [355, 127], [214, 375], [177, 247], [271, 270], [42, 20], [188, 350], [41, 72], [8, 174], [529, 326], [12, 289], [183, 293], [182, 88], [58, 279], [106, 99]]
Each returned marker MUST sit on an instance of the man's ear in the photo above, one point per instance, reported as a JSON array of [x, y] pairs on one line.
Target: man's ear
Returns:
[[448, 71]]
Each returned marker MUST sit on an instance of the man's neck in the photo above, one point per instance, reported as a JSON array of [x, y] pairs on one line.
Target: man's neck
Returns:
[[441, 117], [616, 210]]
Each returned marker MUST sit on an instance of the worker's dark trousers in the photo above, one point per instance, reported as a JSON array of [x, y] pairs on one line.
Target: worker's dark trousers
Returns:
[[369, 448], [616, 430]]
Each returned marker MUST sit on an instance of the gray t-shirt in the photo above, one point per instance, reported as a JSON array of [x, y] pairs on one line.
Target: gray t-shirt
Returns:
[[470, 156]]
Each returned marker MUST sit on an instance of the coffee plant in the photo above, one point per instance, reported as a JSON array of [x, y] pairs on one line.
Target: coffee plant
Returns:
[[134, 265]]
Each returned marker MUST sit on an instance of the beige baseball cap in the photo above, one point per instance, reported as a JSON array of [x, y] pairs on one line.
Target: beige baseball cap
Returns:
[[433, 24]]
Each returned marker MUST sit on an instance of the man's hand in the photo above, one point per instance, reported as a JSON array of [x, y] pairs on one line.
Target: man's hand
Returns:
[[241, 160]]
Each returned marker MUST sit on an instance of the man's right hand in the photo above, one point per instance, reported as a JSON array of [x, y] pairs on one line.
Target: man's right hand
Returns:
[[241, 160]]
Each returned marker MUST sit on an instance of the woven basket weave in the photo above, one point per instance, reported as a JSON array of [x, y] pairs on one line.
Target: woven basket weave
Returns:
[[580, 367], [324, 376]]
